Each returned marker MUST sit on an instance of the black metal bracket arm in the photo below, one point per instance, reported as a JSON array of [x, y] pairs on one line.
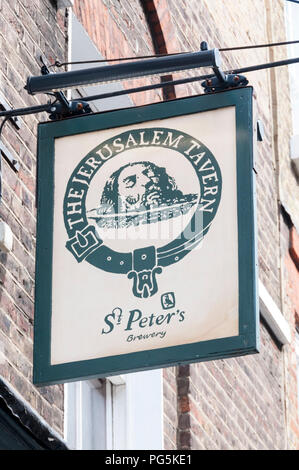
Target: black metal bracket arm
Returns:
[[55, 110], [64, 108], [136, 69], [75, 108], [59, 109], [219, 83]]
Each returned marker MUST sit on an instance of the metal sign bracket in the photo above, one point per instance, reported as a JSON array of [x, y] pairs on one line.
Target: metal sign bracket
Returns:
[[64, 108], [221, 81]]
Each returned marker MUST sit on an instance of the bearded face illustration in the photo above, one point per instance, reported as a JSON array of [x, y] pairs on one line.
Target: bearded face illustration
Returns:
[[140, 192], [138, 185]]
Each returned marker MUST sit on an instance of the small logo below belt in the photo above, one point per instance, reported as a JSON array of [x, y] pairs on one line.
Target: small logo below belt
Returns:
[[168, 300]]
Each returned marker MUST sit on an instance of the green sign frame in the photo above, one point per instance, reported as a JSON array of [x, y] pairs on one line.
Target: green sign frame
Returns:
[[247, 342]]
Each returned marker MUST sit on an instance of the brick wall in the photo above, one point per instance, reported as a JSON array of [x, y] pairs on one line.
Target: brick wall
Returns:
[[119, 29], [28, 28], [290, 275]]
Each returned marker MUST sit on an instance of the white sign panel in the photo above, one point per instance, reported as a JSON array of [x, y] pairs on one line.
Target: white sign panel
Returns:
[[145, 237]]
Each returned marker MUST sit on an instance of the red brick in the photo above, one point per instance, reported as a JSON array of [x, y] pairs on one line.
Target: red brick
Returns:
[[294, 246]]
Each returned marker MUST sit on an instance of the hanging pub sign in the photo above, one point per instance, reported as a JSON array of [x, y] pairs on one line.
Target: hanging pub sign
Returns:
[[146, 238]]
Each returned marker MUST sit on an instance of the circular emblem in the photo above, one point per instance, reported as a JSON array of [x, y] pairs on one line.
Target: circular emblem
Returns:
[[141, 182]]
